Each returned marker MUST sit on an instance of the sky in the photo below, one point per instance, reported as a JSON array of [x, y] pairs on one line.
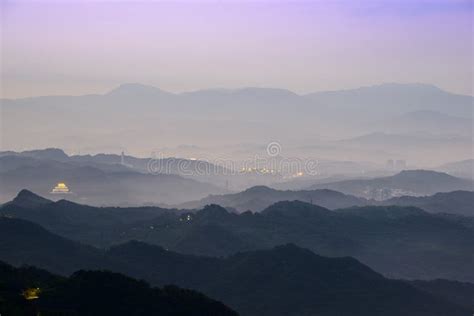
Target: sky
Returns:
[[80, 47]]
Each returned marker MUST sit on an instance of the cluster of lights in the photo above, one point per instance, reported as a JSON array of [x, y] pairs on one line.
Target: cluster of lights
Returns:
[[186, 218], [269, 171], [295, 175], [255, 170]]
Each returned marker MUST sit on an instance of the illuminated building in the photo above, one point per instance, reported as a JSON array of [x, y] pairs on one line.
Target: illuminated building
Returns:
[[60, 188], [31, 293]]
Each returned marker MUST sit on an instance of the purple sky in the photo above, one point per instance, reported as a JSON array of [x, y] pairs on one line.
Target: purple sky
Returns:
[[71, 47]]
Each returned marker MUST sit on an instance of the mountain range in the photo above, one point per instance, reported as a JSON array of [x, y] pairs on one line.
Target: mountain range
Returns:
[[305, 283], [260, 197], [399, 242], [96, 182], [455, 194], [108, 179], [456, 202], [138, 114], [407, 182], [395, 98]]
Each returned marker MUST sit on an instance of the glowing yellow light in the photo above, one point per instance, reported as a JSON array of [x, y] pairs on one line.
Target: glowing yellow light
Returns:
[[61, 187], [32, 293]]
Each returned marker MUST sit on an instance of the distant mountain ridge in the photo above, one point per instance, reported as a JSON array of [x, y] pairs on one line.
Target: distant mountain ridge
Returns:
[[260, 197], [407, 182], [456, 202], [428, 122], [137, 111], [464, 168], [411, 96], [123, 162]]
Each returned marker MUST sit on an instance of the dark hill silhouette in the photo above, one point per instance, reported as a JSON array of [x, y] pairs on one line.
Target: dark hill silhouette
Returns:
[[23, 242], [260, 197], [247, 282], [460, 293], [97, 293], [398, 241], [28, 199], [77, 221]]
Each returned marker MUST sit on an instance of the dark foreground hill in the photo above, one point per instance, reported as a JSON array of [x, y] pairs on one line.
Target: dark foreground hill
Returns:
[[76, 221], [460, 293], [95, 293], [399, 242], [286, 280]]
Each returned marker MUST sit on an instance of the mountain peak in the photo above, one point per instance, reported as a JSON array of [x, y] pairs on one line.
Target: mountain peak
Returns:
[[47, 153], [28, 199], [296, 208], [135, 89], [276, 92], [412, 86], [260, 189], [389, 88], [135, 246], [388, 212], [213, 210], [416, 173]]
